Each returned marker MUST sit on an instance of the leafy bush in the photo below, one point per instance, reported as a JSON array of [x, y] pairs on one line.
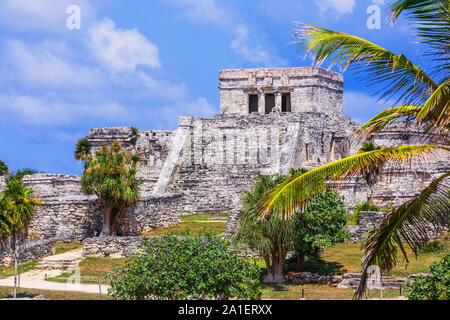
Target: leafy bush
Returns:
[[436, 286], [173, 268], [321, 226]]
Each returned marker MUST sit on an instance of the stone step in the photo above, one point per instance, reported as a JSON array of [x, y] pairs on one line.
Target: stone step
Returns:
[[56, 264]]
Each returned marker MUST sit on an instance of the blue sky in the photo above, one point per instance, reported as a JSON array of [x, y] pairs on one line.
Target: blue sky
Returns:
[[143, 63]]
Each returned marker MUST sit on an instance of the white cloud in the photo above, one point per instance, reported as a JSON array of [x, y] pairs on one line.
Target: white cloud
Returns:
[[42, 15], [242, 47], [121, 50], [337, 7], [208, 11], [47, 64], [38, 111], [204, 11]]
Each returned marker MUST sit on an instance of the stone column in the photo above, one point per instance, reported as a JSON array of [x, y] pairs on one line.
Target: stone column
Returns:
[[278, 101], [261, 103]]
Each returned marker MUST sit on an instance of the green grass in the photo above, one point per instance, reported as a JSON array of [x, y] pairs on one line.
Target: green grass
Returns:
[[92, 270], [8, 271], [7, 292], [346, 257], [317, 292], [64, 247], [197, 224]]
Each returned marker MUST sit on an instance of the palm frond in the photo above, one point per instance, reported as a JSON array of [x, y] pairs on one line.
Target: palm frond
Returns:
[[386, 117], [408, 224], [398, 74], [436, 109], [296, 193], [432, 18]]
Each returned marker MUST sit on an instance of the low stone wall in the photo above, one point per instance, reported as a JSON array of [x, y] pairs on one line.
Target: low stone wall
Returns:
[[156, 211], [351, 281], [112, 247], [29, 250], [370, 219], [345, 281], [67, 220]]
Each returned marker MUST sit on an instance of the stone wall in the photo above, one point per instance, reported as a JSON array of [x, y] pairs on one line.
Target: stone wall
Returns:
[[221, 157], [112, 247], [29, 250], [370, 219], [68, 215], [151, 145], [311, 89]]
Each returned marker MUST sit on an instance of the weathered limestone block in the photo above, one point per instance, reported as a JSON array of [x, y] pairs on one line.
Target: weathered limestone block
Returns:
[[28, 250], [312, 278], [370, 219], [112, 247], [351, 281]]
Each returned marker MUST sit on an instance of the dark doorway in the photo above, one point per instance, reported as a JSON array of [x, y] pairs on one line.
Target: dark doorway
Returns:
[[270, 103], [286, 102], [252, 103]]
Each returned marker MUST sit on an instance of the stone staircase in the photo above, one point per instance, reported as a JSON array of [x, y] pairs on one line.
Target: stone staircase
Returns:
[[62, 261]]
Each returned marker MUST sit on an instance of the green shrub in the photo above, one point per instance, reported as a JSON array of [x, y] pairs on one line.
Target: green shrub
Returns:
[[173, 268], [436, 286]]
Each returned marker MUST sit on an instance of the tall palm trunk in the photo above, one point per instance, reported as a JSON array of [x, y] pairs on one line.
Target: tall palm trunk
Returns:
[[300, 262], [106, 230], [15, 260]]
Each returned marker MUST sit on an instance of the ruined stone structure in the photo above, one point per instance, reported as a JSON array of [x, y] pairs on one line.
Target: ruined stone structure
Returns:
[[271, 120], [69, 215]]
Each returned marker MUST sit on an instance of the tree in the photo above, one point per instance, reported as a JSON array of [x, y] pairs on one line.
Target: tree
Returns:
[[321, 226], [111, 176], [3, 168], [435, 286], [82, 149], [273, 237], [17, 207], [175, 268], [371, 173], [419, 98]]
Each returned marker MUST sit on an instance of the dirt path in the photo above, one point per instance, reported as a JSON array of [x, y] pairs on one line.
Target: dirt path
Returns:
[[35, 279]]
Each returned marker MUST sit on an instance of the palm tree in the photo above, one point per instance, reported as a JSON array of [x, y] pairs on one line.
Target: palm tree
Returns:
[[421, 98], [111, 176], [17, 207], [370, 175]]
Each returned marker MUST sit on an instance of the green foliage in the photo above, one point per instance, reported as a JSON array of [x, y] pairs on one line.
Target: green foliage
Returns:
[[19, 174], [111, 176], [82, 149], [322, 225], [135, 130], [436, 286], [173, 268], [17, 207], [368, 146], [3, 168]]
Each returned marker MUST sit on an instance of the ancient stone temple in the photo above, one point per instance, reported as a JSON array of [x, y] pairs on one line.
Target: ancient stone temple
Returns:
[[270, 120]]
